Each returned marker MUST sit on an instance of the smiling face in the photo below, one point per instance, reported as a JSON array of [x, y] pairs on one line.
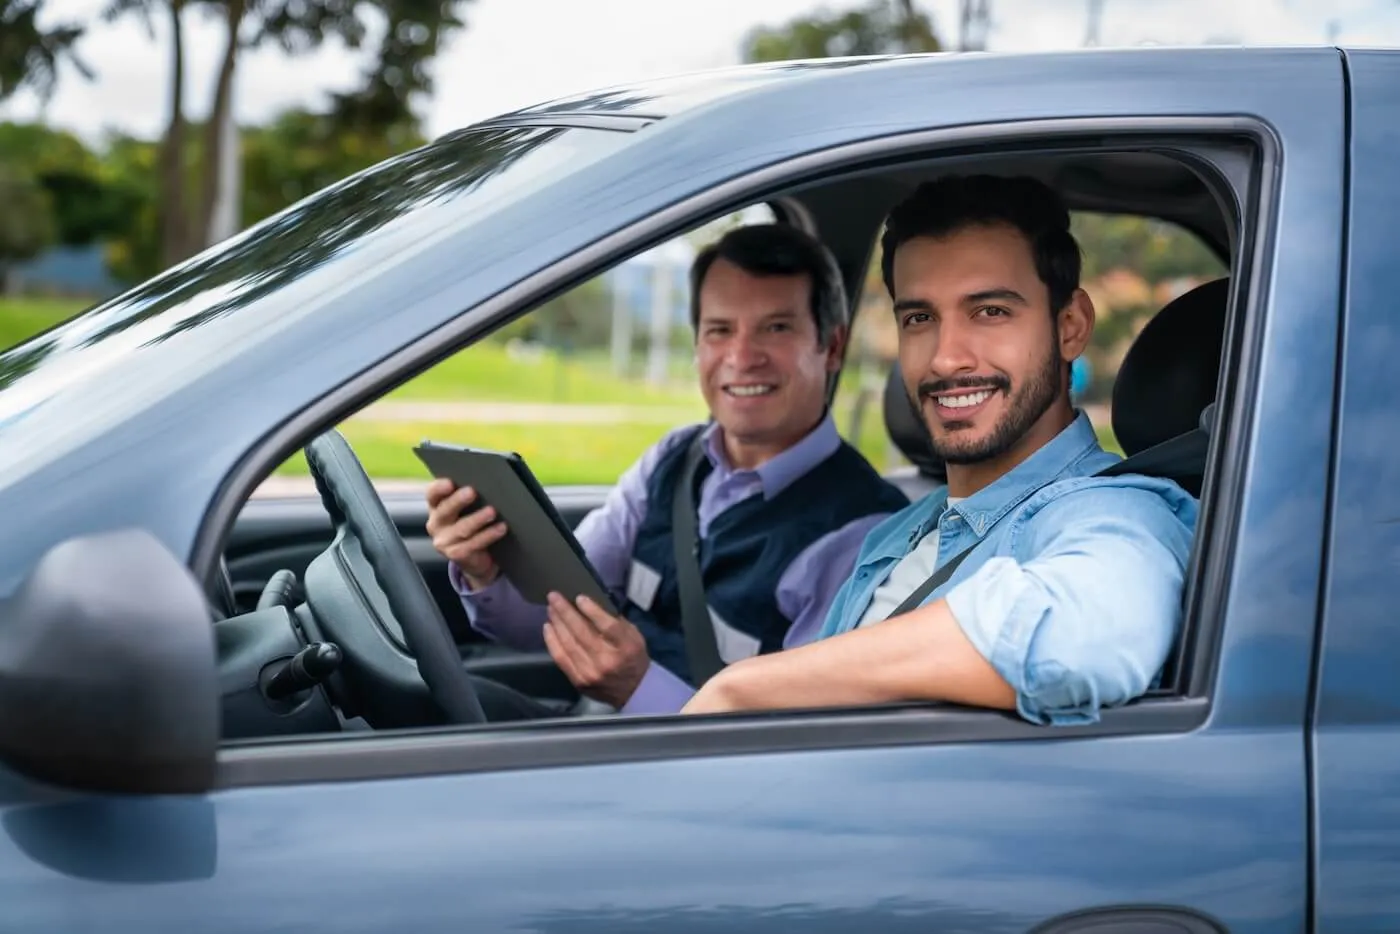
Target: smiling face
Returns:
[[981, 353], [763, 369]]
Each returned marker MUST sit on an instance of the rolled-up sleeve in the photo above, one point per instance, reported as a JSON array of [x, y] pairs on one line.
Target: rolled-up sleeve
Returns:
[[1087, 620]]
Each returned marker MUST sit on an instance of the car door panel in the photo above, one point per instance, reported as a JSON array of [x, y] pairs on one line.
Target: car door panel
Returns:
[[950, 838]]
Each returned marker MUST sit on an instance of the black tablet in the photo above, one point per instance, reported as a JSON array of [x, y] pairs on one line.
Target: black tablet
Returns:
[[539, 553]]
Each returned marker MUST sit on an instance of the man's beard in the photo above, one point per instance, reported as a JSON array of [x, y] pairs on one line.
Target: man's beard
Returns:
[[1023, 410]]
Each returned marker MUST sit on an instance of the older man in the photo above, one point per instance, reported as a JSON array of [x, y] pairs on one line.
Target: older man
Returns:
[[782, 502]]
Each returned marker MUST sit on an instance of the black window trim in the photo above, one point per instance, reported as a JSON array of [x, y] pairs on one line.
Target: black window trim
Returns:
[[493, 747]]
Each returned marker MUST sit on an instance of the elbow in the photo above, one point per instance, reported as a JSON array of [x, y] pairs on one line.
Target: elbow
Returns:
[[1073, 683]]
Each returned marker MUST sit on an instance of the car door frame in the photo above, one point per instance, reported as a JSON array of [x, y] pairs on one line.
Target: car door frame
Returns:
[[1223, 704], [595, 742]]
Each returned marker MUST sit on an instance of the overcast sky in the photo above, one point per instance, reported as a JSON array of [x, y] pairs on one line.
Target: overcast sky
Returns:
[[519, 52]]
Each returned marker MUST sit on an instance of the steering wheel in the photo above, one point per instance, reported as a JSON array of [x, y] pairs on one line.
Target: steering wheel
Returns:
[[358, 513]]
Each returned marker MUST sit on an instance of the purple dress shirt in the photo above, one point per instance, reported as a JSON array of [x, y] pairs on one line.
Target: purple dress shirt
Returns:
[[607, 534]]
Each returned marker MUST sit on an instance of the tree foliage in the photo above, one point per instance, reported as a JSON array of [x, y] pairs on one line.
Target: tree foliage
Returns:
[[30, 55], [300, 152], [1155, 250], [880, 27], [312, 233], [411, 32], [87, 202], [26, 222]]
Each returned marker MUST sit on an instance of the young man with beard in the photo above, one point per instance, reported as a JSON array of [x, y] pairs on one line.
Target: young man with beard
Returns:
[[1069, 598], [783, 502]]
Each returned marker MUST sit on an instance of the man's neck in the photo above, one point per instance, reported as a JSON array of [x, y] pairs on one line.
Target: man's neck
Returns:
[[966, 479], [750, 455]]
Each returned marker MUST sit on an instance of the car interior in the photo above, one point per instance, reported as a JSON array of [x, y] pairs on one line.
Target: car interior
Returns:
[[326, 601]]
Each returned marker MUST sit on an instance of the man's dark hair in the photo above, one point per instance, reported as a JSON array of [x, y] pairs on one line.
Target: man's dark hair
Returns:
[[778, 250], [955, 202]]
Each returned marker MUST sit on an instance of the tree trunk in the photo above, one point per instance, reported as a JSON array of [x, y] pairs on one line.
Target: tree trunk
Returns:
[[213, 150], [174, 224], [906, 24]]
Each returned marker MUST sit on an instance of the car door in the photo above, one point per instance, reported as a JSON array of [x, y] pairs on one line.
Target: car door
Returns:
[[1191, 807]]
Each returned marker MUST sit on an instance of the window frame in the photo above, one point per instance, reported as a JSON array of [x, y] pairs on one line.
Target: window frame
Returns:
[[1246, 186]]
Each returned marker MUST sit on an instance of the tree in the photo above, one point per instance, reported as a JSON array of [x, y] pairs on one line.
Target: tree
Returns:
[[413, 32], [313, 233], [295, 155], [26, 223], [170, 183], [134, 253], [881, 27], [29, 55], [89, 205], [398, 75], [301, 152]]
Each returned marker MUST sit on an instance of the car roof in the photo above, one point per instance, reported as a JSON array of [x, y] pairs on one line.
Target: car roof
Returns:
[[669, 95], [672, 95]]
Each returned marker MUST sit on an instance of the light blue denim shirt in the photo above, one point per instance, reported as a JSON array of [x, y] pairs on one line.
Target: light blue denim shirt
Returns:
[[1074, 593]]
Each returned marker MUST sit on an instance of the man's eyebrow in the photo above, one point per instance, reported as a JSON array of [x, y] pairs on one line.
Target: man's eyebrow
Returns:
[[972, 298], [995, 295], [912, 304]]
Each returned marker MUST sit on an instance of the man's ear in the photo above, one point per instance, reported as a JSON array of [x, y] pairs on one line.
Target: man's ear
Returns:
[[1076, 325], [836, 347]]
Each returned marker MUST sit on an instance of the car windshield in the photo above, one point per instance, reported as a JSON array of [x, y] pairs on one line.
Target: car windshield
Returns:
[[254, 285]]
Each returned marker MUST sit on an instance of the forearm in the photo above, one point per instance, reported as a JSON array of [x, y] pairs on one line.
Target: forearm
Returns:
[[922, 655]]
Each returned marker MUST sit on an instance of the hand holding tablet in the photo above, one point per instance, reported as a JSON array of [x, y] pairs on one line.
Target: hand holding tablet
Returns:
[[536, 550]]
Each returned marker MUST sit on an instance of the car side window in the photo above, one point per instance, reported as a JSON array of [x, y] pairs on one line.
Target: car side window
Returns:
[[579, 387]]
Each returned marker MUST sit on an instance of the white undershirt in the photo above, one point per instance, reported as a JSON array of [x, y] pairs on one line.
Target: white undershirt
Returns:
[[908, 575]]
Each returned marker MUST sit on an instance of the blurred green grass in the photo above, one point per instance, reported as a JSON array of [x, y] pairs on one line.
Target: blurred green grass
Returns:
[[489, 372], [23, 318], [559, 454]]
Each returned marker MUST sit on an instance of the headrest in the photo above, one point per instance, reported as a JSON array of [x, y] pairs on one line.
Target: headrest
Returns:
[[1169, 375], [907, 430]]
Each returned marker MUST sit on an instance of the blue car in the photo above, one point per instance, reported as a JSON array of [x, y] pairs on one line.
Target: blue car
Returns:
[[163, 768]]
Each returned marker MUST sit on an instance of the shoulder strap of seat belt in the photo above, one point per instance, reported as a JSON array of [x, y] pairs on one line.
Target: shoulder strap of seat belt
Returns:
[[933, 583], [701, 649]]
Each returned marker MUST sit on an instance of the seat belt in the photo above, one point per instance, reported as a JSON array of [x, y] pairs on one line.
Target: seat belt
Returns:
[[939, 577], [701, 649], [1172, 459]]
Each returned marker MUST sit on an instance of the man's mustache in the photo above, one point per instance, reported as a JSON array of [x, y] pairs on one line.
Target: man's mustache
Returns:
[[938, 387]]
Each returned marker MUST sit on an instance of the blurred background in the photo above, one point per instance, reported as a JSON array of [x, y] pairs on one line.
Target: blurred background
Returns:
[[135, 133]]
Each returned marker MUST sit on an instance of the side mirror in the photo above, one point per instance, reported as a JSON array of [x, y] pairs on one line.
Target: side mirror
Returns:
[[108, 676]]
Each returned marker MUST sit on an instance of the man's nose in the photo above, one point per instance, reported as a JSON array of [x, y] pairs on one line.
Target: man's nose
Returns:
[[746, 351], [953, 352]]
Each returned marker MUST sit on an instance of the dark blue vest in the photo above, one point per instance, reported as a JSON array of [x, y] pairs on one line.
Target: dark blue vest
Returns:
[[748, 546]]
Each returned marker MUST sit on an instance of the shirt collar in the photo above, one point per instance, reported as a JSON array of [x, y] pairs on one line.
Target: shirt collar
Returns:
[[984, 508], [779, 472]]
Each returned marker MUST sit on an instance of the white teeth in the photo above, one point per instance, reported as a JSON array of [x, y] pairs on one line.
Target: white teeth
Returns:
[[749, 390], [962, 402]]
